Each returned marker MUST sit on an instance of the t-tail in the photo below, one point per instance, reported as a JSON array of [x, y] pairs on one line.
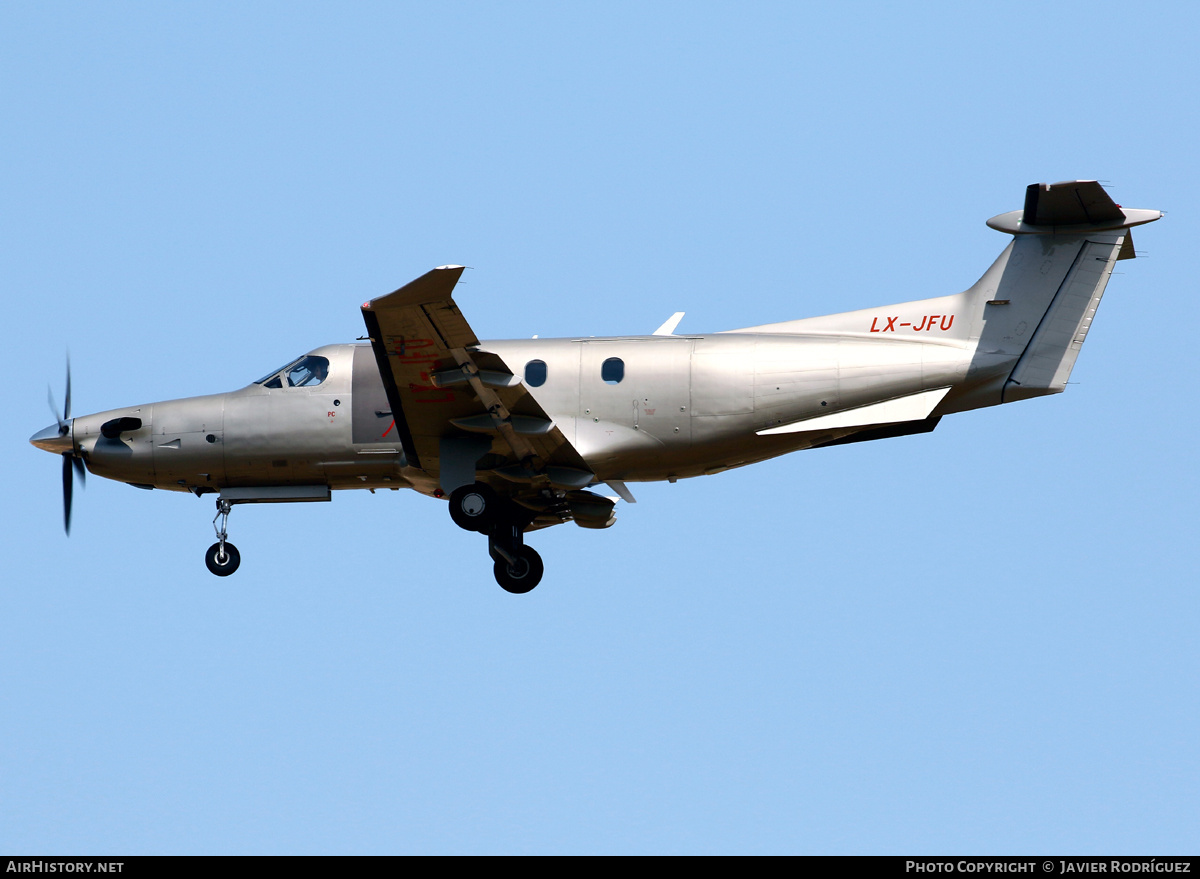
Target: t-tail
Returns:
[[1023, 323], [1036, 304]]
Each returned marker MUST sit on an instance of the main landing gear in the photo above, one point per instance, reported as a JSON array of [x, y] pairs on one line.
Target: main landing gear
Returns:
[[518, 568], [222, 558]]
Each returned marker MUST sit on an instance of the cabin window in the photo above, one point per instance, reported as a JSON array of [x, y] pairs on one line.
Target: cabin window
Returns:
[[612, 370], [535, 373]]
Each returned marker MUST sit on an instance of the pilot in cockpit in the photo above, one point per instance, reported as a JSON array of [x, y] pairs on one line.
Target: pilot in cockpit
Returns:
[[307, 372]]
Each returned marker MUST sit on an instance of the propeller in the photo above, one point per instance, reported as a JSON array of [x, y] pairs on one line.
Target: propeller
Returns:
[[71, 461]]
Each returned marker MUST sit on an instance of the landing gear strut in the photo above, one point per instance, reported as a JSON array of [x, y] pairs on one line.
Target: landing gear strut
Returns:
[[518, 568], [222, 558]]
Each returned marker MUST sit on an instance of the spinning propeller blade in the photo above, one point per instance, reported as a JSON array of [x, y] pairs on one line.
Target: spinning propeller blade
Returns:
[[71, 461], [68, 483], [67, 405]]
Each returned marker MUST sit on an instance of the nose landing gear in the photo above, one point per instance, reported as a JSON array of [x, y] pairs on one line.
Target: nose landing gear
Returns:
[[222, 558]]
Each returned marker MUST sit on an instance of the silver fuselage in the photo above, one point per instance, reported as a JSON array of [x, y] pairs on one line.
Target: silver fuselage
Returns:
[[686, 406]]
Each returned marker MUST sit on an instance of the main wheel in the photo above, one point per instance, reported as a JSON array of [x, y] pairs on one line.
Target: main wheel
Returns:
[[474, 507], [521, 576], [223, 565]]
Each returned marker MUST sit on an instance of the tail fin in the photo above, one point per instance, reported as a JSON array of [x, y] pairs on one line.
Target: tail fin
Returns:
[[1025, 320], [1048, 359], [1037, 302]]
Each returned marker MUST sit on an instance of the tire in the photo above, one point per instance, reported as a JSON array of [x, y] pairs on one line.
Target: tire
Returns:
[[474, 507], [522, 576], [223, 567]]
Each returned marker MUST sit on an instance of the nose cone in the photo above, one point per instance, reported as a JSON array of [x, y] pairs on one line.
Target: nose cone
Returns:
[[53, 439]]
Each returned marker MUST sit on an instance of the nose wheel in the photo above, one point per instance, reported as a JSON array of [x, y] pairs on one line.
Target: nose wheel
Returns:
[[222, 558]]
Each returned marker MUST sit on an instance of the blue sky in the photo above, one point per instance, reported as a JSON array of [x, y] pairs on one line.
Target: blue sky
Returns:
[[981, 640]]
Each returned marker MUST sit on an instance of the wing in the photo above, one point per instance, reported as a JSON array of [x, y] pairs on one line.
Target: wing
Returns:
[[460, 411]]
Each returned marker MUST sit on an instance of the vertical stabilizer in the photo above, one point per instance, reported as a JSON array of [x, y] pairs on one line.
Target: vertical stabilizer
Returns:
[[1034, 307], [1047, 361]]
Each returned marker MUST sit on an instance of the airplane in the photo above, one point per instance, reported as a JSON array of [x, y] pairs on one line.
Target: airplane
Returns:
[[515, 434]]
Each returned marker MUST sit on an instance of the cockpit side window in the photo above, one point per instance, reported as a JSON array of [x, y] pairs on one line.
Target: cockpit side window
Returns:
[[308, 372]]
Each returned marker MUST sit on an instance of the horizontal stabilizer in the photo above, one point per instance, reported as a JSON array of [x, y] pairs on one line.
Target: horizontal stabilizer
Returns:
[[914, 407], [1070, 203], [1073, 207]]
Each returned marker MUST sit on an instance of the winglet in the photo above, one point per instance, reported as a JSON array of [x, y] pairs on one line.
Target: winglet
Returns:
[[668, 328], [433, 286]]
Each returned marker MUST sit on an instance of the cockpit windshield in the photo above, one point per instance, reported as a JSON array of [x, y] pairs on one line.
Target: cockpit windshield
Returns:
[[309, 371]]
